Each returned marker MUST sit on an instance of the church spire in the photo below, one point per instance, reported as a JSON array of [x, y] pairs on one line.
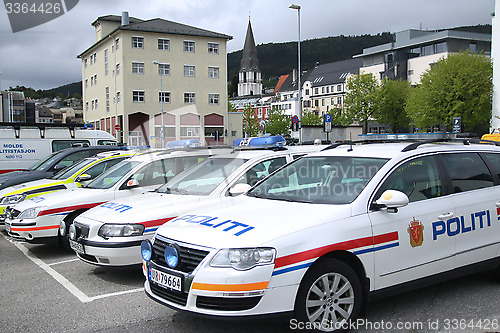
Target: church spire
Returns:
[[250, 76]]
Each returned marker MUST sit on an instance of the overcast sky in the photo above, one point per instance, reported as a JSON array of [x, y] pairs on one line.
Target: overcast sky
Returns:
[[44, 57]]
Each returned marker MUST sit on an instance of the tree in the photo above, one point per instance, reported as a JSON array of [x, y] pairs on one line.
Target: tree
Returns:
[[359, 102], [310, 118], [457, 86], [390, 104], [251, 124], [277, 122]]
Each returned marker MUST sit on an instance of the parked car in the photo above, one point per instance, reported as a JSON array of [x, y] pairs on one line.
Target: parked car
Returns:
[[325, 234]]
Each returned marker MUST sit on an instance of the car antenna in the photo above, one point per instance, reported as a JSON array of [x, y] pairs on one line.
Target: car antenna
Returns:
[[350, 142]]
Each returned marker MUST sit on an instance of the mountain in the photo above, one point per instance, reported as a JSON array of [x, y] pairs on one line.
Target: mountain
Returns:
[[67, 89]]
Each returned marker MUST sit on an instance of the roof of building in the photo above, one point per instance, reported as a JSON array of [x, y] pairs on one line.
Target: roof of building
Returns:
[[412, 37], [249, 60], [334, 72], [290, 83], [280, 83], [157, 25]]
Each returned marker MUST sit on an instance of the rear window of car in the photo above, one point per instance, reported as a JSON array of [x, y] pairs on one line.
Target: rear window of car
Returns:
[[467, 172]]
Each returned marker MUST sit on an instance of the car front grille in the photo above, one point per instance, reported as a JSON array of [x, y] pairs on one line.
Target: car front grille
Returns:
[[169, 295], [189, 257], [227, 303]]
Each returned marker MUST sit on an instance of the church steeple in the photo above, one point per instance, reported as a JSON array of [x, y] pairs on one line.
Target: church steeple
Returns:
[[250, 76]]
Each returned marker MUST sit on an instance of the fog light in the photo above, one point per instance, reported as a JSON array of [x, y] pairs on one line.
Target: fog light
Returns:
[[146, 250], [72, 232], [62, 228]]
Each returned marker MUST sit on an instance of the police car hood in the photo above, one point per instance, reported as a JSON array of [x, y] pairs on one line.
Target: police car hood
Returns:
[[65, 198], [18, 177], [247, 222], [30, 185], [142, 208]]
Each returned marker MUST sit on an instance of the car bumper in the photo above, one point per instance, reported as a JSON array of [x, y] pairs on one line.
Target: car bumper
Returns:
[[110, 253], [31, 230]]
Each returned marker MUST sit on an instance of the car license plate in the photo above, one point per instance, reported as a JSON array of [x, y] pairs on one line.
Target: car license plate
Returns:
[[165, 280], [77, 247]]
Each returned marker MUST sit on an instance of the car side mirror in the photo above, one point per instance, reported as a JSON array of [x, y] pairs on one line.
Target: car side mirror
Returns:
[[132, 183], [83, 177], [59, 167], [239, 189], [392, 199]]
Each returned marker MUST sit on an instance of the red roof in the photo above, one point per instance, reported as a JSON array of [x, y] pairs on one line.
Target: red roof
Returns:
[[280, 82]]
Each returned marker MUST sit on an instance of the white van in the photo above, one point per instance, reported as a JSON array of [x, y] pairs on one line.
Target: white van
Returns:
[[22, 145]]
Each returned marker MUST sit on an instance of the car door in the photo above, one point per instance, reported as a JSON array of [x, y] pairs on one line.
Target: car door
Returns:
[[476, 198], [421, 250]]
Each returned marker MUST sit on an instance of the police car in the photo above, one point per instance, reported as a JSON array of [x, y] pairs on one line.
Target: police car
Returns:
[[73, 176], [208, 183], [332, 230], [39, 219]]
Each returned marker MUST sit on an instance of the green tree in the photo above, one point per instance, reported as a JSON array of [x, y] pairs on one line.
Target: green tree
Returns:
[[277, 122], [310, 118], [359, 102], [390, 104], [457, 86], [251, 124]]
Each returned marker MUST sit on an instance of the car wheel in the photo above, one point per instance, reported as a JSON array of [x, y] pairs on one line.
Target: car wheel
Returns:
[[329, 297]]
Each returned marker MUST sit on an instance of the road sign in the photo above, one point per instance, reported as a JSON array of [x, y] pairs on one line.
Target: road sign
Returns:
[[327, 124], [295, 123], [457, 124], [117, 127], [295, 120]]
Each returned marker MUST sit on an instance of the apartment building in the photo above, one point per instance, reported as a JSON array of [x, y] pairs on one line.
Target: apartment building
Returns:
[[152, 81], [414, 51]]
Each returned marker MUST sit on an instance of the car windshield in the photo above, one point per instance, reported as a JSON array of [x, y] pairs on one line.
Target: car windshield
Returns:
[[323, 180], [44, 164], [203, 178], [113, 175], [72, 169]]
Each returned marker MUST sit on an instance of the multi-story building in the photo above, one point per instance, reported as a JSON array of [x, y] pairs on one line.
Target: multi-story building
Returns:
[[413, 51], [12, 108], [148, 81]]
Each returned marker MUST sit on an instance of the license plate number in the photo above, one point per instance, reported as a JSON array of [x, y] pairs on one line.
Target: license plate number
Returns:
[[77, 247], [165, 280]]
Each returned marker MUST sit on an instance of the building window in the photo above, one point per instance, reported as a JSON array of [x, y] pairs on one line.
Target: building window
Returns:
[[86, 106], [91, 81], [86, 83], [427, 50], [440, 47], [163, 69], [107, 99], [96, 103], [339, 87], [213, 72], [117, 69], [95, 79], [138, 42], [327, 90], [164, 97], [93, 104], [188, 46], [117, 43], [106, 62], [138, 96], [137, 68], [118, 97], [339, 100], [190, 132], [189, 98], [472, 47], [85, 62], [189, 70], [316, 91], [213, 99], [307, 92], [163, 44], [213, 48]]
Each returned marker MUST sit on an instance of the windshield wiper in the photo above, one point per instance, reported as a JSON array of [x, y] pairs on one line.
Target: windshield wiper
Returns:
[[176, 189]]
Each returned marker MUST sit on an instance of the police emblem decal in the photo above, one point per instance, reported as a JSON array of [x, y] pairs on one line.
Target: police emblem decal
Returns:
[[416, 232]]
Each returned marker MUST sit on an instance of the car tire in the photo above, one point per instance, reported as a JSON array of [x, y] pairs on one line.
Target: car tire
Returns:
[[319, 307]]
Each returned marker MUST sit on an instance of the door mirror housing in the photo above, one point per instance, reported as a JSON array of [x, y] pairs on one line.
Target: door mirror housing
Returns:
[[83, 177], [132, 183], [239, 189], [392, 199]]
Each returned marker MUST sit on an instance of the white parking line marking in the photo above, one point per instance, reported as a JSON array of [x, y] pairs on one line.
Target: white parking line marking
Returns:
[[63, 262], [62, 280]]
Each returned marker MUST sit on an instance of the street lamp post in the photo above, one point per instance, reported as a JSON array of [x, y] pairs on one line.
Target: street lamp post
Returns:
[[162, 131], [299, 95]]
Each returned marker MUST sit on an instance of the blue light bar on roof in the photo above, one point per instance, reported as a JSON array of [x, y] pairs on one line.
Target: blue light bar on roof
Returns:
[[188, 143], [261, 141]]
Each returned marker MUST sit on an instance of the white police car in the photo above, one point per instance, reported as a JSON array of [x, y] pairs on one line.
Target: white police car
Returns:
[[42, 219], [207, 183], [331, 230]]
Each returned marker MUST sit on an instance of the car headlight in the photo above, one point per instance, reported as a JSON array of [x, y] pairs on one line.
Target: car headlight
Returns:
[[30, 213], [120, 230], [12, 199], [146, 250], [244, 258]]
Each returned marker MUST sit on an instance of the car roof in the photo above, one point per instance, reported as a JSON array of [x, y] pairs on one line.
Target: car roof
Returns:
[[280, 151]]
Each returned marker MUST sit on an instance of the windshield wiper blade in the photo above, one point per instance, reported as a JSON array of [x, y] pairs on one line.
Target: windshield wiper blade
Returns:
[[176, 189]]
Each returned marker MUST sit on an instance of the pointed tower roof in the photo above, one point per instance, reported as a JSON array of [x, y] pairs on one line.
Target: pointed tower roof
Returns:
[[249, 62]]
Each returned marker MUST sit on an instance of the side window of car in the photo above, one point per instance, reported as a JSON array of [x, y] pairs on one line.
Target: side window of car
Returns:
[[75, 157], [63, 144], [99, 168], [494, 162], [418, 179], [262, 170], [467, 171]]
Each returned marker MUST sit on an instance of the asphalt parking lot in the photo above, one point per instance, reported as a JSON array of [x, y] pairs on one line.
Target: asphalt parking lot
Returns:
[[47, 289]]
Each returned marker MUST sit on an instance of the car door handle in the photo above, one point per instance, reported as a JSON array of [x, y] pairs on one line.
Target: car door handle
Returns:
[[445, 216]]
